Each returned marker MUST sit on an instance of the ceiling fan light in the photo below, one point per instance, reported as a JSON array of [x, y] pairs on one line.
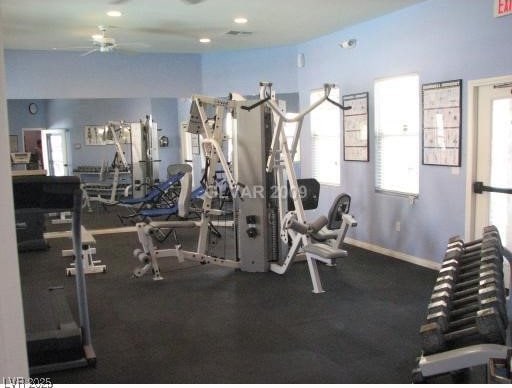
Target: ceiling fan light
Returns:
[[114, 13], [240, 20]]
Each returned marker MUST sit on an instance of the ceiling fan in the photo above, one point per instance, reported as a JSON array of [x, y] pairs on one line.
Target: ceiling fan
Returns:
[[104, 44]]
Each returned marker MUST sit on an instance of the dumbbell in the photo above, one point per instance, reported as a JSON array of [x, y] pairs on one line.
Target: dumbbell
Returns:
[[461, 274], [452, 280], [463, 297], [487, 231], [461, 257], [490, 243], [489, 258], [457, 280], [490, 285], [470, 286], [446, 287], [488, 255], [486, 323], [486, 297], [448, 319], [448, 293]]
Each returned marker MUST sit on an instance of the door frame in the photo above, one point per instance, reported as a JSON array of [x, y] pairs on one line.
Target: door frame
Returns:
[[471, 149], [24, 130], [67, 139]]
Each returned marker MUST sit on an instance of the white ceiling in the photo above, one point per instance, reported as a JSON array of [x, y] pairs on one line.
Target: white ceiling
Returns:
[[170, 26]]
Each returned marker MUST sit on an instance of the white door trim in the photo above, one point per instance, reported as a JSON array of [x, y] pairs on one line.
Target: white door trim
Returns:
[[473, 86]]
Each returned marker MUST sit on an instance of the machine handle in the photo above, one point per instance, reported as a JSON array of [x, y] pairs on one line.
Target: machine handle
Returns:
[[249, 108], [479, 188], [342, 107]]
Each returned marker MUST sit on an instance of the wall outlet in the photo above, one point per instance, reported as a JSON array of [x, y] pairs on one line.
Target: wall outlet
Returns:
[[397, 226]]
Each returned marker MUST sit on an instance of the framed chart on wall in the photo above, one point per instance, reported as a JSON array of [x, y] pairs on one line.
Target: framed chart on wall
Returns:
[[355, 128], [442, 123], [101, 134]]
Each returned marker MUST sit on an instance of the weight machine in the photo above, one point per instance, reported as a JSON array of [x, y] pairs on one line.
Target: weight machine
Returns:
[[133, 177], [262, 180]]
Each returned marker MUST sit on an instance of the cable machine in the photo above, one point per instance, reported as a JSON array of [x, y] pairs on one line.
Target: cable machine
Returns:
[[262, 182]]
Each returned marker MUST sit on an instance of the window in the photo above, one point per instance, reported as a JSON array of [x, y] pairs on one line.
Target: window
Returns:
[[325, 133], [397, 134], [289, 132]]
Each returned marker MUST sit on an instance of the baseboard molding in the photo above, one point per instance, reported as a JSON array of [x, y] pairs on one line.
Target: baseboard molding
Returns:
[[395, 254]]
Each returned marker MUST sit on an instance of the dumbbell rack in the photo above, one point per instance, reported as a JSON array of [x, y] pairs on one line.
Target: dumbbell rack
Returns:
[[468, 314]]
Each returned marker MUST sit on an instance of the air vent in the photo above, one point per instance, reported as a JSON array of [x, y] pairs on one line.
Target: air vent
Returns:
[[236, 33]]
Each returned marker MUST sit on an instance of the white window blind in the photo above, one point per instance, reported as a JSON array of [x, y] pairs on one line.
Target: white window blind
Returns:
[[397, 134], [325, 133], [289, 131]]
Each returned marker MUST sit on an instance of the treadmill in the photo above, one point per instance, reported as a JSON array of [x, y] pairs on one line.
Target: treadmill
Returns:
[[55, 341]]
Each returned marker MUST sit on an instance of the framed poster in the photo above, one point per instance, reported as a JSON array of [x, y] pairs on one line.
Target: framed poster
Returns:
[[95, 135], [442, 123], [355, 128], [101, 134], [196, 147]]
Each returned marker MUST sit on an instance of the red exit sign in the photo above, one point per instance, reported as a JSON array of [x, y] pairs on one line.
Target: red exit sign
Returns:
[[502, 7]]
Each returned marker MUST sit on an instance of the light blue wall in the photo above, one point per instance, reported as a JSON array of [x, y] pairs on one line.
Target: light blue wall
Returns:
[[19, 117], [45, 74], [440, 40], [242, 71]]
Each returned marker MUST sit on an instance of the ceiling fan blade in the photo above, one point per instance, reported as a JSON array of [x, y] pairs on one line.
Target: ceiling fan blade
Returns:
[[115, 2], [89, 52], [71, 48], [133, 44]]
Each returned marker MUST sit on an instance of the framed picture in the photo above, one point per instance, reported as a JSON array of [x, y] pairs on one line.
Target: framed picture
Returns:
[[95, 135], [355, 128], [196, 146], [442, 123]]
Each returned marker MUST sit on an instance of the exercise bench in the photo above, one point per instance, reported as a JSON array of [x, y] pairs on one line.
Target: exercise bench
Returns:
[[89, 263]]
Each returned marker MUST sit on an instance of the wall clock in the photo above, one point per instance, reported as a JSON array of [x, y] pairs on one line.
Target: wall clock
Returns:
[[33, 108]]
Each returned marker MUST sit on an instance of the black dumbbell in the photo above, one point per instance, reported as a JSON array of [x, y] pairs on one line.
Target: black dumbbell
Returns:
[[455, 299], [470, 286], [447, 285], [443, 315], [446, 312], [486, 324], [456, 258], [461, 298], [460, 279], [487, 231], [455, 293], [490, 246]]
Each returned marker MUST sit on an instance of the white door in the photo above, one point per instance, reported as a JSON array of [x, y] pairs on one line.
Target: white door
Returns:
[[56, 151], [492, 186]]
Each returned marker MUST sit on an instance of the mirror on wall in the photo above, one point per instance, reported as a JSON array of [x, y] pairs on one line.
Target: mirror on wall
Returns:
[[59, 125]]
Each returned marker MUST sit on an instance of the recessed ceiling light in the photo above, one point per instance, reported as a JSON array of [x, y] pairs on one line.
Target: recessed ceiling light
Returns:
[[240, 20], [205, 40], [114, 14]]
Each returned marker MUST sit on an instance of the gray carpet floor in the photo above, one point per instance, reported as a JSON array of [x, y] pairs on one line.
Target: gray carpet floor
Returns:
[[207, 324]]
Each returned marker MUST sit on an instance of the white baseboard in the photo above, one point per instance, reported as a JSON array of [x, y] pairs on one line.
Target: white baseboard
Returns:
[[395, 254]]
